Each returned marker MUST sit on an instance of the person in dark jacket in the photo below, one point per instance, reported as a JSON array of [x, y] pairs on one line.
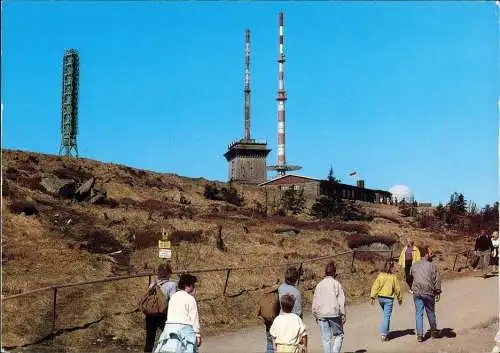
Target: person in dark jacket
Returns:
[[426, 289], [483, 249]]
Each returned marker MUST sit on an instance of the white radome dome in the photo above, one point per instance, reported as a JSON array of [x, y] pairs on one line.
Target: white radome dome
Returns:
[[400, 192]]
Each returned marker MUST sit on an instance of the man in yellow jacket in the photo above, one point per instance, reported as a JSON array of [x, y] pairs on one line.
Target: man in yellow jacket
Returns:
[[409, 255]]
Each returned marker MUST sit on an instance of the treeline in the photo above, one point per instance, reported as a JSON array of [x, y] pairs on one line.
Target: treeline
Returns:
[[457, 215]]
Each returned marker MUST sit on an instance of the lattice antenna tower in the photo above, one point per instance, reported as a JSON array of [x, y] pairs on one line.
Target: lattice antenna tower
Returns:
[[69, 108]]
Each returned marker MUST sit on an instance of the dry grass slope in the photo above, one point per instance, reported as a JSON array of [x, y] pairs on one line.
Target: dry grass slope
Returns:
[[67, 241]]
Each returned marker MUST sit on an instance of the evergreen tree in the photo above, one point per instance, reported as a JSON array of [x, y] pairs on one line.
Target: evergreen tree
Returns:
[[293, 200], [331, 177]]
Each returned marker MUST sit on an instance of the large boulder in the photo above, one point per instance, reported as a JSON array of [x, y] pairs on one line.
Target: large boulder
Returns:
[[56, 186], [83, 190]]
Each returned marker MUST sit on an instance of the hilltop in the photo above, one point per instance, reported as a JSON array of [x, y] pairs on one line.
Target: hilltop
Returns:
[[64, 218]]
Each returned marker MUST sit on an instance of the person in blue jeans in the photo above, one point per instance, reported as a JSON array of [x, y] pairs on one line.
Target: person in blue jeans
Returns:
[[385, 288], [426, 289], [328, 308]]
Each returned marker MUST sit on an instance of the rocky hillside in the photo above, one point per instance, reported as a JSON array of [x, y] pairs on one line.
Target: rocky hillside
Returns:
[[67, 220]]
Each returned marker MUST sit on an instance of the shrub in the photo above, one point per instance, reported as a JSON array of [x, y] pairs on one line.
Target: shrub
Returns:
[[109, 202], [146, 237], [178, 236], [228, 194], [327, 207], [357, 240], [155, 182], [293, 200], [101, 241], [211, 192], [28, 208], [127, 201]]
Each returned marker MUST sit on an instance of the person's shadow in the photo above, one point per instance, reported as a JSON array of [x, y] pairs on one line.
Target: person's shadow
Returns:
[[490, 275], [400, 333], [443, 333]]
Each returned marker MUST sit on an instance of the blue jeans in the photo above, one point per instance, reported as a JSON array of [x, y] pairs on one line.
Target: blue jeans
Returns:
[[331, 328], [426, 302], [270, 345], [386, 304]]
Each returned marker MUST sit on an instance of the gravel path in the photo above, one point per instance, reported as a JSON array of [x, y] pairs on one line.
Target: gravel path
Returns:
[[467, 315]]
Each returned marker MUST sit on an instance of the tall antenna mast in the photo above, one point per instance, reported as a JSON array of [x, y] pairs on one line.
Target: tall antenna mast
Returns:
[[281, 98], [247, 85], [69, 109], [281, 167]]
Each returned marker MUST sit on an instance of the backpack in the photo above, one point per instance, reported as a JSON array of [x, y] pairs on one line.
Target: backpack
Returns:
[[154, 302], [269, 304]]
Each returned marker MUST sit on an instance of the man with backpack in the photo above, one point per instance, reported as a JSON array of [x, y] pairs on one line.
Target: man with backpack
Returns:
[[155, 304], [269, 309]]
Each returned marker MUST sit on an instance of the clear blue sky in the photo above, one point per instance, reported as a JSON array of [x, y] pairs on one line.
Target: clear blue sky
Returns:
[[403, 93]]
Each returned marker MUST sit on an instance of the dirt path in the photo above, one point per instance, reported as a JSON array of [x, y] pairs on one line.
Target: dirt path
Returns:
[[467, 314]]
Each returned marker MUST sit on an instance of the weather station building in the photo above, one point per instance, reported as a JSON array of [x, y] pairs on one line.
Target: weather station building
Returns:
[[314, 188]]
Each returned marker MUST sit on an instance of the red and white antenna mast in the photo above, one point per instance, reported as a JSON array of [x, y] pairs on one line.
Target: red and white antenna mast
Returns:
[[281, 167], [281, 99]]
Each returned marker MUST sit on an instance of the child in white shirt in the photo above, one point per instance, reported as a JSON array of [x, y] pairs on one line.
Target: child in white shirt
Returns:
[[288, 329]]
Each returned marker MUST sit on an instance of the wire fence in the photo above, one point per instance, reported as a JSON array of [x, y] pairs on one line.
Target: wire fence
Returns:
[[70, 303]]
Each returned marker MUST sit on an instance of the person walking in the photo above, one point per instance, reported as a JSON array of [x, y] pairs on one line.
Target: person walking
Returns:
[[155, 322], [409, 255], [483, 249], [291, 277], [495, 241], [328, 308], [182, 329], [426, 289], [288, 330], [386, 288]]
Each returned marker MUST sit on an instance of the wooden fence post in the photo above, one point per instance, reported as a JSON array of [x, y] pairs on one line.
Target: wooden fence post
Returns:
[[300, 271], [454, 262], [149, 281], [227, 279], [352, 262], [54, 312]]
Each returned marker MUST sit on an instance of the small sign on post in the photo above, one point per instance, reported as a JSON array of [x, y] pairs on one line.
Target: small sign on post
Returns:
[[164, 246]]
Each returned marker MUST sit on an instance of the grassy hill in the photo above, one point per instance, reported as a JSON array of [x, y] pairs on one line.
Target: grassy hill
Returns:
[[51, 236]]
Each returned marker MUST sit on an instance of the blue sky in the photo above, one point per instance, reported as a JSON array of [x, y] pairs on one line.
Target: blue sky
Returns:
[[403, 93]]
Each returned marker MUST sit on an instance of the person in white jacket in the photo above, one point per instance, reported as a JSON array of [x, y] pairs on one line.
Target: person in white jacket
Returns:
[[328, 308], [182, 329]]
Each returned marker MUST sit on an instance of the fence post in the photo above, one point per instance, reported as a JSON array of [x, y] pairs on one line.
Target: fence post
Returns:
[[54, 312], [300, 271], [352, 262], [149, 281], [227, 279], [454, 262], [467, 259]]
